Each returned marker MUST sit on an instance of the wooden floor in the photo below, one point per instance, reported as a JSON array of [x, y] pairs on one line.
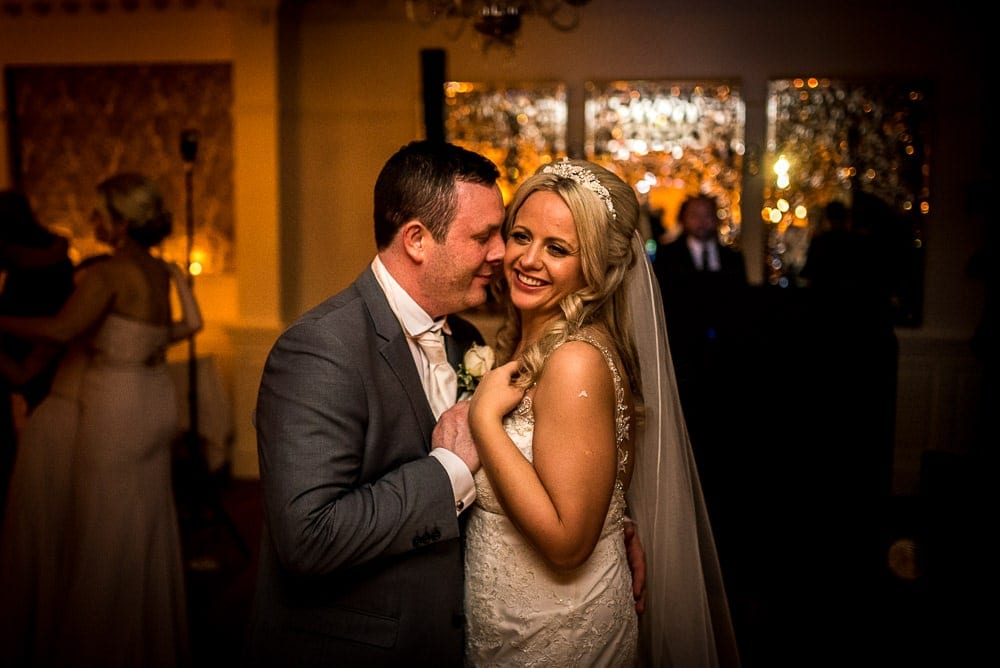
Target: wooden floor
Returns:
[[792, 608], [221, 541]]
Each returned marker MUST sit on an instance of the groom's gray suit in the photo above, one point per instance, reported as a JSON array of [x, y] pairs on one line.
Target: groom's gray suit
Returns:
[[361, 557]]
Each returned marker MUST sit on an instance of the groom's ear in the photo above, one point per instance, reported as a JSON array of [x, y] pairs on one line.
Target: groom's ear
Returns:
[[415, 236]]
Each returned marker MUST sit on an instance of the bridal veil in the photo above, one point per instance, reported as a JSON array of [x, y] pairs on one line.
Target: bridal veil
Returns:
[[686, 623]]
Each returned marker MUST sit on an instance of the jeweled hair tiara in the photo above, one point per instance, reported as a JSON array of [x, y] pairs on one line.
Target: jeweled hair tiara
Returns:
[[585, 178]]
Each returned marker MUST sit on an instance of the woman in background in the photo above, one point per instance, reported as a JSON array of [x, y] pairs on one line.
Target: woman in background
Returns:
[[90, 555]]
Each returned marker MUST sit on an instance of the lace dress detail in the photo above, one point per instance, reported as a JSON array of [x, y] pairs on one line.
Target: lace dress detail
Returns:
[[521, 613]]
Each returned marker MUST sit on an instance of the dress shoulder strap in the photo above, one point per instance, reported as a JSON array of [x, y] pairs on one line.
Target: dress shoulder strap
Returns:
[[622, 421]]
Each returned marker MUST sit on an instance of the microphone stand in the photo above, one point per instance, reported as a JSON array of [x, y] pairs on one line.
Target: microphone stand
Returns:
[[204, 492], [189, 148]]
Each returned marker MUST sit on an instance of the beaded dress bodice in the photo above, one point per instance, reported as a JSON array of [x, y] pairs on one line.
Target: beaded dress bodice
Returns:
[[521, 612]]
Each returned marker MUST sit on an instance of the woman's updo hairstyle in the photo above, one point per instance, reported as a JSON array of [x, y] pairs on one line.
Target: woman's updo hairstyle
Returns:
[[134, 201]]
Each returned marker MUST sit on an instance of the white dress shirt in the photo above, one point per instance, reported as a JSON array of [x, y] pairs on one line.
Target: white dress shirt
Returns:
[[414, 320], [698, 249]]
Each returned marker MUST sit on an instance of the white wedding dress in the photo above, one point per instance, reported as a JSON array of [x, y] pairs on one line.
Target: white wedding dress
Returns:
[[519, 612]]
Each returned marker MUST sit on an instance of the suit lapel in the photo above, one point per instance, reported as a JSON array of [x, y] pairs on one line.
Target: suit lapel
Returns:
[[396, 351], [455, 350]]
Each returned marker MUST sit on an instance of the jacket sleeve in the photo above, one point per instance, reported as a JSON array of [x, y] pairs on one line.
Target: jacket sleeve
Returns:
[[343, 457]]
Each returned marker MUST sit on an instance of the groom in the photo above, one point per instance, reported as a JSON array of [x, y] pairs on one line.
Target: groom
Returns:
[[361, 554]]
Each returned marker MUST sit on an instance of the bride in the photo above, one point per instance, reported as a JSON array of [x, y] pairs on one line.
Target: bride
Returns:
[[582, 410]]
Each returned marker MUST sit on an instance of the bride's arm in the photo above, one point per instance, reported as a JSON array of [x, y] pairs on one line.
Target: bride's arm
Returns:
[[561, 501], [191, 321]]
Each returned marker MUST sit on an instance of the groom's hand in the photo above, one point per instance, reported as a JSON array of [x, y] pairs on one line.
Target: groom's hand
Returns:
[[637, 564], [452, 433]]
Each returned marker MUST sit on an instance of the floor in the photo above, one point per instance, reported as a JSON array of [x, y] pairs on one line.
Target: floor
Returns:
[[221, 536], [795, 603]]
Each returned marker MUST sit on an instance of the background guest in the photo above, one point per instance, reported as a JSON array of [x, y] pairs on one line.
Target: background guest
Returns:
[[703, 283], [837, 254], [836, 466], [90, 553], [705, 296], [36, 277]]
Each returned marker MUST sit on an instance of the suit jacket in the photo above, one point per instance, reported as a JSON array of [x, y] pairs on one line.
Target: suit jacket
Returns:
[[702, 308], [674, 263], [361, 553]]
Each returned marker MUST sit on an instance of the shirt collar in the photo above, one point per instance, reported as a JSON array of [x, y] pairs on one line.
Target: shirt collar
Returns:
[[696, 245], [412, 317]]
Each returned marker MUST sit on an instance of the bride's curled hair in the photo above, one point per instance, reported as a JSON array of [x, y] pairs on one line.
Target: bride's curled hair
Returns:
[[605, 210]]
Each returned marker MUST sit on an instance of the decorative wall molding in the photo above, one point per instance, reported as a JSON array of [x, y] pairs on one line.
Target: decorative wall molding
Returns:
[[937, 403], [15, 8]]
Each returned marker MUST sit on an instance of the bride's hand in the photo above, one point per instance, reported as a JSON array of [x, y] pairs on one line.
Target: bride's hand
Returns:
[[495, 396]]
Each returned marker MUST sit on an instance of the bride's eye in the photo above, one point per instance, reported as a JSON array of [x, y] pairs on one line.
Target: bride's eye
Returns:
[[558, 251], [519, 237]]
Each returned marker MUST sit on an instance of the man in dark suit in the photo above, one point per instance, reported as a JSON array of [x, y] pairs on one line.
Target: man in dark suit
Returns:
[[702, 282], [705, 292], [361, 555]]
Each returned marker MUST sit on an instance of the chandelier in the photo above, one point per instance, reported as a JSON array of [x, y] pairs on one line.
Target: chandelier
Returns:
[[499, 22]]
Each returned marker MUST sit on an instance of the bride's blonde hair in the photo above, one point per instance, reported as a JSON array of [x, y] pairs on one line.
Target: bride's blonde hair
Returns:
[[605, 211]]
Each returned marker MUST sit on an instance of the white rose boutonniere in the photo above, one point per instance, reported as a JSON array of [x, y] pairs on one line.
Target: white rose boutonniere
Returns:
[[477, 361]]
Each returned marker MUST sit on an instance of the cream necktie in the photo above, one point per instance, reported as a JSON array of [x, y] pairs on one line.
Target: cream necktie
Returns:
[[441, 383]]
